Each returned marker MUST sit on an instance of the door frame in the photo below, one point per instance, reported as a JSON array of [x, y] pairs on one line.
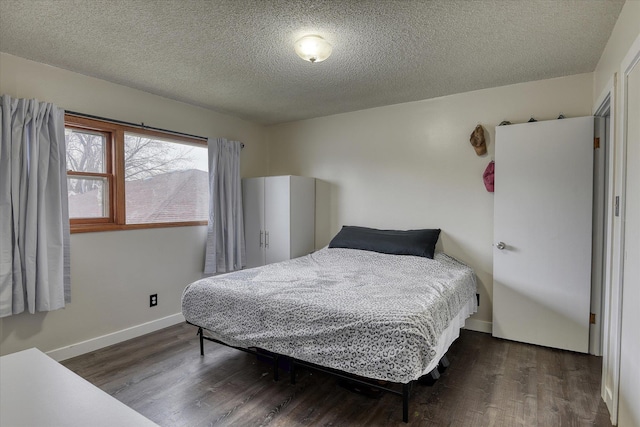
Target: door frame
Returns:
[[611, 289], [630, 61], [614, 261], [601, 213]]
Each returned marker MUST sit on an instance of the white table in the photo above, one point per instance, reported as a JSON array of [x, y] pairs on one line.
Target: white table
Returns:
[[35, 391]]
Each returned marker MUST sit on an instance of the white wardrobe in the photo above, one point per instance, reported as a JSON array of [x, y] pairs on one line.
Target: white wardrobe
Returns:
[[279, 218]]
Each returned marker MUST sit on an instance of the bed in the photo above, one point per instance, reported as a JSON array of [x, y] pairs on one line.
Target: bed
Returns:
[[380, 315]]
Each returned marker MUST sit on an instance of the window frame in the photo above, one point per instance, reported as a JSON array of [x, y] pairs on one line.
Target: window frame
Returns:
[[115, 174]]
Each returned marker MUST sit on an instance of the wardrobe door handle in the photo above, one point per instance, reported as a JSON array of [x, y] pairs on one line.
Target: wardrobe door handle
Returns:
[[266, 239], [260, 238]]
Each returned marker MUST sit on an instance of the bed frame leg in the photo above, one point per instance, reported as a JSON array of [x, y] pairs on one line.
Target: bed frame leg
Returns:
[[201, 341], [292, 371], [405, 402], [434, 374], [444, 362]]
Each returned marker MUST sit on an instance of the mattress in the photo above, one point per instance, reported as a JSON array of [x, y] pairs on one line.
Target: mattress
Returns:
[[386, 317]]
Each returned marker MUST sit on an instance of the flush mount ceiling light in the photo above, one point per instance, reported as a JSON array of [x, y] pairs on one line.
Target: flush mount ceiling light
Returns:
[[313, 48]]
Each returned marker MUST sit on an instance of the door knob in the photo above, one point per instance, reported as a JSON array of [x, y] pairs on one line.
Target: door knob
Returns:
[[500, 245]]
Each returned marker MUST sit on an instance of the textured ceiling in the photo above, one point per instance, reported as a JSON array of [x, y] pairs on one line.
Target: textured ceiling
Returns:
[[237, 57]]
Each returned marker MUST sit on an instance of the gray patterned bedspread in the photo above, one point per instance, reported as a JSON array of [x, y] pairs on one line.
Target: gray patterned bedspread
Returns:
[[369, 314]]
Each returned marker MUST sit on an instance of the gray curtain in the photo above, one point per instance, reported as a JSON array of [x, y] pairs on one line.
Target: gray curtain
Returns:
[[225, 235], [34, 215]]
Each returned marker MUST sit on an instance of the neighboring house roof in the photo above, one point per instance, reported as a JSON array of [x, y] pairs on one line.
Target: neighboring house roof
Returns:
[[169, 197]]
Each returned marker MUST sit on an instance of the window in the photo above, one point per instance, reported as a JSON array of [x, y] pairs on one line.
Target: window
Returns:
[[122, 177], [90, 174]]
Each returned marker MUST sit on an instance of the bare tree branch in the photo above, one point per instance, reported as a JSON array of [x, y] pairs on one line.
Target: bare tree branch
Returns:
[[144, 157]]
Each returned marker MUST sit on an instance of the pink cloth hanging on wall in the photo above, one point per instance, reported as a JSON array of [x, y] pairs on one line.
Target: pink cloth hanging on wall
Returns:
[[487, 176]]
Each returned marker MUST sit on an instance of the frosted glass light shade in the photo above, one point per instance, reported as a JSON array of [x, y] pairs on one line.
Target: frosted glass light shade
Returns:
[[313, 48]]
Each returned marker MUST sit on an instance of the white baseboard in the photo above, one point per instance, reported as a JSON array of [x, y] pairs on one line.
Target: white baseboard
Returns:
[[97, 343], [478, 325]]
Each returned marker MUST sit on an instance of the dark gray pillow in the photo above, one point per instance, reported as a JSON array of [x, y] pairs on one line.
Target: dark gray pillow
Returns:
[[395, 242]]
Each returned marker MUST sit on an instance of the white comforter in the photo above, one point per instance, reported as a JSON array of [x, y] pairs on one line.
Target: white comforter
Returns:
[[369, 314]]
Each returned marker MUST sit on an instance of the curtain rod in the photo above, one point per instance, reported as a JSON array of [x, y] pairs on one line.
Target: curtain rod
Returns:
[[141, 125]]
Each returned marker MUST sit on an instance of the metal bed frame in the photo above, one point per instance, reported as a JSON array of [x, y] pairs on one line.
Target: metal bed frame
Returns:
[[405, 393]]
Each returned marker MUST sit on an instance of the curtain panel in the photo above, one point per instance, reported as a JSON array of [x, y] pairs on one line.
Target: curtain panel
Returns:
[[225, 250], [34, 215]]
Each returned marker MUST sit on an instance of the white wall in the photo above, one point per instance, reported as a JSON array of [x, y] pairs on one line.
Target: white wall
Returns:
[[113, 273], [411, 165], [625, 32]]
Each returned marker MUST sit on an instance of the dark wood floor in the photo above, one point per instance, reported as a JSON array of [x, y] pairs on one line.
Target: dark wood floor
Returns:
[[490, 382]]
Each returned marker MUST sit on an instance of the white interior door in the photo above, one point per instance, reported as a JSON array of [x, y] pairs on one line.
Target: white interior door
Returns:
[[253, 206], [543, 215], [277, 218]]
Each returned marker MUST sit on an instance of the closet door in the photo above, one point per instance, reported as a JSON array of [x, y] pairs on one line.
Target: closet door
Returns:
[[303, 215], [543, 232], [277, 214], [253, 206]]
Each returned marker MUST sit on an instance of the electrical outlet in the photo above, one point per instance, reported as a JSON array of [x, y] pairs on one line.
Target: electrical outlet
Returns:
[[478, 297], [153, 300]]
